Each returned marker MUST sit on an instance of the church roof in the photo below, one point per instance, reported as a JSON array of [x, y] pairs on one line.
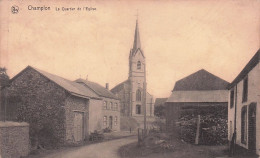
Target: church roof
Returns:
[[98, 89], [200, 80], [137, 42], [120, 86]]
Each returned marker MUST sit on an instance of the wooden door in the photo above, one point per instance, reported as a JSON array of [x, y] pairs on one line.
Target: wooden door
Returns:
[[78, 126]]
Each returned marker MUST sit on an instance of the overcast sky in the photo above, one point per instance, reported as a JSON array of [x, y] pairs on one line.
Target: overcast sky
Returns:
[[177, 37]]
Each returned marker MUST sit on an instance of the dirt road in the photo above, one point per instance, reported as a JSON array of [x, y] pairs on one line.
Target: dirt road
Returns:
[[100, 150]]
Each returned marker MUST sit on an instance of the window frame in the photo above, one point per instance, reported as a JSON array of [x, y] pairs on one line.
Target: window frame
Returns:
[[245, 90], [105, 121], [105, 105], [139, 65], [244, 119], [137, 111], [232, 97], [115, 120], [138, 95], [111, 106]]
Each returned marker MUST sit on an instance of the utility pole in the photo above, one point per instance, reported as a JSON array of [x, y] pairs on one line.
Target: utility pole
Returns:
[[144, 98]]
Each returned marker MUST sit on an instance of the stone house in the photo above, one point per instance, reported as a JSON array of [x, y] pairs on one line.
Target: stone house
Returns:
[[243, 111], [111, 104], [59, 111], [200, 93]]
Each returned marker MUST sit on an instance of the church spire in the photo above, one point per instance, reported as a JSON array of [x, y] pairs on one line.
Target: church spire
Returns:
[[137, 42]]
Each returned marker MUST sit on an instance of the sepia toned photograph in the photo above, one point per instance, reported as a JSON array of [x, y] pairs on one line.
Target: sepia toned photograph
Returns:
[[129, 79]]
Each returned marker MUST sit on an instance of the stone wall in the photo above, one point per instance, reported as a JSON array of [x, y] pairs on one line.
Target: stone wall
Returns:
[[14, 139], [76, 104], [35, 99]]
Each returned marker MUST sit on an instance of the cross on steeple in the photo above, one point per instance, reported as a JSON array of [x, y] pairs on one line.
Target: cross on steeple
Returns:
[[136, 14]]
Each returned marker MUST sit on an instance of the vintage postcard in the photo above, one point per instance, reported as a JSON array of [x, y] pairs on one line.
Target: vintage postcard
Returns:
[[129, 79]]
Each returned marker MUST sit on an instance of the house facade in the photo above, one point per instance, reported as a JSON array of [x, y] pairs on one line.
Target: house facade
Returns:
[[134, 99], [243, 111], [59, 111], [111, 104]]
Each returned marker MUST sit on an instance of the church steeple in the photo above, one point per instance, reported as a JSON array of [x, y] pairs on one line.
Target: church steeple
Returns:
[[137, 42]]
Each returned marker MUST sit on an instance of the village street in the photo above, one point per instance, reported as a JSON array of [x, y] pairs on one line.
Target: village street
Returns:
[[107, 149]]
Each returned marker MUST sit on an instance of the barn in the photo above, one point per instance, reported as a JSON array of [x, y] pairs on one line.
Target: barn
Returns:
[[58, 110], [200, 93]]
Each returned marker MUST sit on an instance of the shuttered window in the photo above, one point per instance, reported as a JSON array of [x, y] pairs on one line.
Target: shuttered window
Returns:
[[244, 125], [245, 90], [232, 98]]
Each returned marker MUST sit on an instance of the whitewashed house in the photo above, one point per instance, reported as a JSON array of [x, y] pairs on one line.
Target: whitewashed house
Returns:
[[243, 111]]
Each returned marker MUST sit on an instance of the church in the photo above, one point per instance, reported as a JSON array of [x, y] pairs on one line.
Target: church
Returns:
[[134, 99]]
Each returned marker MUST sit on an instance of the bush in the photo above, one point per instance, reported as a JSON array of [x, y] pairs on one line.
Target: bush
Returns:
[[127, 122], [107, 130], [96, 136]]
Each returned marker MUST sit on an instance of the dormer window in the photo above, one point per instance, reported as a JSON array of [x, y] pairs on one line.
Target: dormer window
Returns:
[[138, 65]]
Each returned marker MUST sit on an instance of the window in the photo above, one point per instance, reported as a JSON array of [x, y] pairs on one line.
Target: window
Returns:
[[138, 109], [245, 89], [138, 65], [111, 106], [115, 119], [116, 106], [105, 121], [104, 105], [232, 98], [244, 125], [138, 95]]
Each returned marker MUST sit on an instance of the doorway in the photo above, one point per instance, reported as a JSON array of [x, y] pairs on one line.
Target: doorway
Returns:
[[78, 126], [252, 128], [138, 109]]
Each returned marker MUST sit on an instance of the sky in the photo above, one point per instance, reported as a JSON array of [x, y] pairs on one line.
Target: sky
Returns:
[[178, 38]]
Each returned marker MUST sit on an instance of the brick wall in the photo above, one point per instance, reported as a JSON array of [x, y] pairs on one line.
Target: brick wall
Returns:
[[14, 139]]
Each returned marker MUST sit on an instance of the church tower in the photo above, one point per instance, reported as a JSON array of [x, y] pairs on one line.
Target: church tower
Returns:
[[137, 76]]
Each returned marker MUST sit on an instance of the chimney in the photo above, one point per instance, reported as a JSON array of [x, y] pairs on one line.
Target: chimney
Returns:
[[107, 86]]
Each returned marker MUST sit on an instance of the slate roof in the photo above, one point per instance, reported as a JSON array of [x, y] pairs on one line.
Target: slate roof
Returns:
[[200, 80], [70, 86], [98, 89], [160, 101], [250, 65], [120, 86]]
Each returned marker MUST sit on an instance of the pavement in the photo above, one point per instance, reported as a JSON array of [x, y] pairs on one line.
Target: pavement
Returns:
[[108, 149]]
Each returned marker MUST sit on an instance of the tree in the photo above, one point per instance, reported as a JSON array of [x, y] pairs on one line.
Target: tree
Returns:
[[4, 78], [159, 111]]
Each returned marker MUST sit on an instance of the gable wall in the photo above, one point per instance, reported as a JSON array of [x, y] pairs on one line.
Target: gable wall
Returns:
[[40, 104]]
